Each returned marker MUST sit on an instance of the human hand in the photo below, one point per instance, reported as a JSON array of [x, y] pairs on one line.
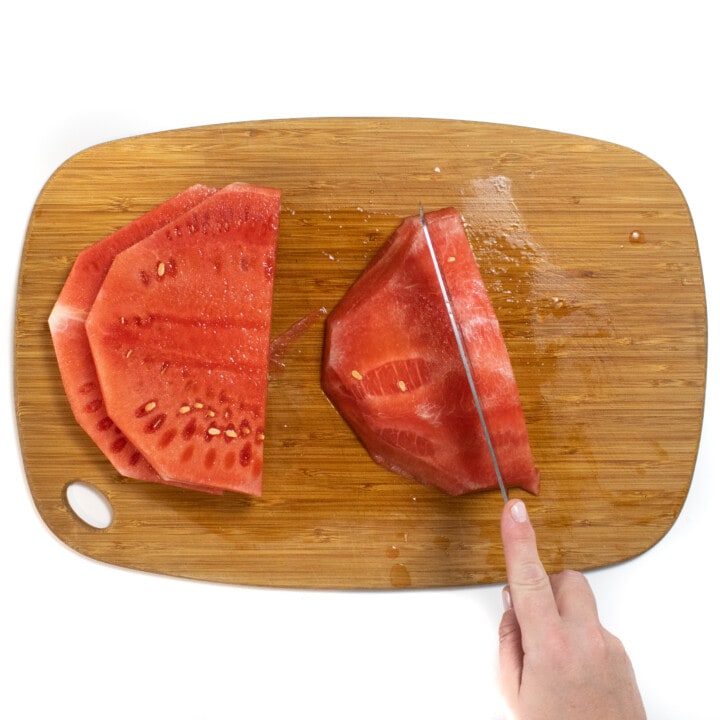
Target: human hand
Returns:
[[556, 659]]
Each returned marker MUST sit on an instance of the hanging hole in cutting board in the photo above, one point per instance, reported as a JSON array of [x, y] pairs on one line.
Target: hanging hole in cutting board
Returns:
[[89, 504]]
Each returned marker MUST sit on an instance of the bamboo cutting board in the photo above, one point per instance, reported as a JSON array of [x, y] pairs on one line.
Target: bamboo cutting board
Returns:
[[590, 256]]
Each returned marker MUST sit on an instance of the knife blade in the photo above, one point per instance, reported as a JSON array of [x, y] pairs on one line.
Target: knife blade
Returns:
[[463, 352]]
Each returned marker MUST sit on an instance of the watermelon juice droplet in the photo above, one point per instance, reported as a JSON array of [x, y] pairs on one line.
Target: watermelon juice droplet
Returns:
[[399, 576]]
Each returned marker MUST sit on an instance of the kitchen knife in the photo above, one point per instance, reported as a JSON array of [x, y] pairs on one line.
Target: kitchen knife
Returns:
[[463, 353]]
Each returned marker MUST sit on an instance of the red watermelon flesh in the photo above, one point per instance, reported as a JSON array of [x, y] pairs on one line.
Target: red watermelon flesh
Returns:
[[67, 327], [180, 334], [392, 368]]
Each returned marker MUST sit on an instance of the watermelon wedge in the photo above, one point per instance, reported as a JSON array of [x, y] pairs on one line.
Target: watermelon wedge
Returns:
[[72, 349], [392, 368], [180, 334]]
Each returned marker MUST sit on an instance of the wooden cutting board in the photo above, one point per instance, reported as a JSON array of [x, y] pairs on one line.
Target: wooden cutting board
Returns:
[[590, 256]]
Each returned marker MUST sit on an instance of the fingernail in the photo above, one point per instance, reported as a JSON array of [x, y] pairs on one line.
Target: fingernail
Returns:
[[519, 512], [507, 599]]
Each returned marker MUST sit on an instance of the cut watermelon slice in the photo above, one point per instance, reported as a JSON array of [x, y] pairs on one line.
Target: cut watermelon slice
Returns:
[[392, 368], [67, 327], [180, 334]]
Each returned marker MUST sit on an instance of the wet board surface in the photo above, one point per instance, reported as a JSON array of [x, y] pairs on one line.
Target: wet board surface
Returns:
[[590, 257]]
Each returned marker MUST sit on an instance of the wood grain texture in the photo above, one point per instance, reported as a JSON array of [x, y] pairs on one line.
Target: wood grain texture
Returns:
[[590, 256]]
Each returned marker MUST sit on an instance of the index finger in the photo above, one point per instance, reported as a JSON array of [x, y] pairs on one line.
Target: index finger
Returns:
[[532, 595]]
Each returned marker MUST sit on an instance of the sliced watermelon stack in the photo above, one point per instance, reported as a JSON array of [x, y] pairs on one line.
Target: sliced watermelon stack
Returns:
[[162, 335]]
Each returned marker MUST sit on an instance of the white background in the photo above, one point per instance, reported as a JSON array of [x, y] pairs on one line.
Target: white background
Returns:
[[79, 639]]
